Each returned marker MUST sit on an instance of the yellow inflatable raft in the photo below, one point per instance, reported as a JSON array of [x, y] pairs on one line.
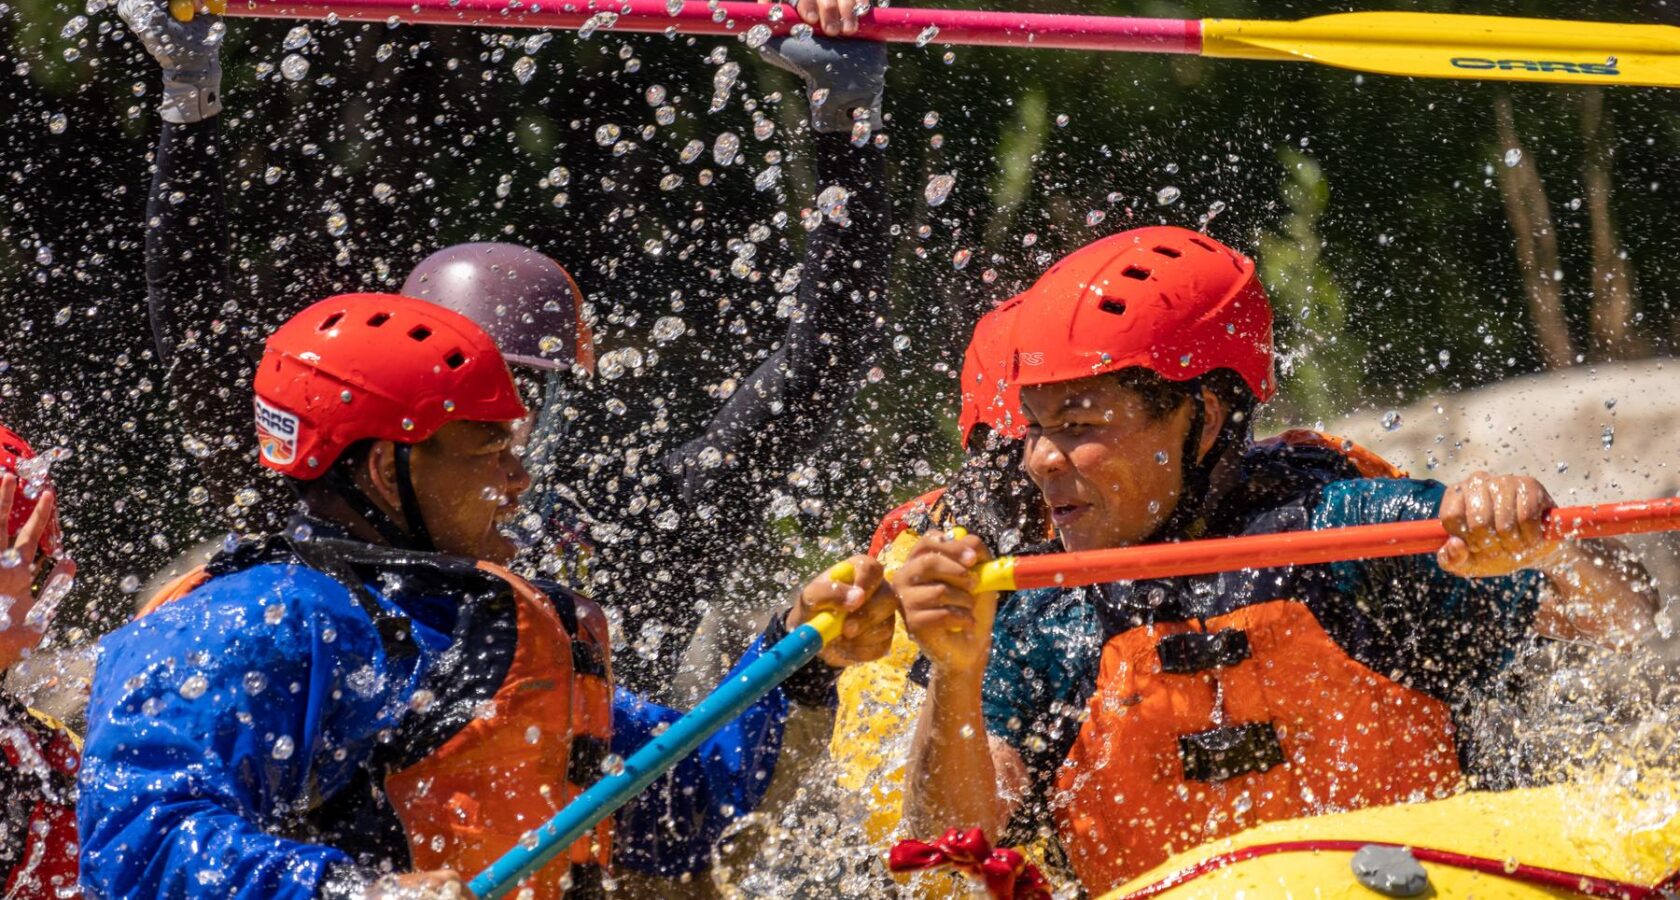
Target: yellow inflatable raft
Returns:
[[1564, 841]]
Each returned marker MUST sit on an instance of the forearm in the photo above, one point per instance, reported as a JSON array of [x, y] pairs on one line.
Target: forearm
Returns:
[[1599, 593], [952, 780], [200, 337], [788, 404]]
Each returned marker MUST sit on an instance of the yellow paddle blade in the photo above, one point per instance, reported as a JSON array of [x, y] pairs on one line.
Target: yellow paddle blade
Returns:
[[1431, 45]]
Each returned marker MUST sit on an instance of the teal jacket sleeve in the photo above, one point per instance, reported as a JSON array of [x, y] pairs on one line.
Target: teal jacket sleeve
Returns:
[[212, 720]]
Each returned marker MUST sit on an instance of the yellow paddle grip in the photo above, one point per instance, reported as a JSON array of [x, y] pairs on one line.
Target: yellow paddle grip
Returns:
[[184, 10]]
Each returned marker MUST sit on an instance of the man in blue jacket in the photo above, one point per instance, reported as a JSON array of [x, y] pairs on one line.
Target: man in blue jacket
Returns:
[[367, 704]]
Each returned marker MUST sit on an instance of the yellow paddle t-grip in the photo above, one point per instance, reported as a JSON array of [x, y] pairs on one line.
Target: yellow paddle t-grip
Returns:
[[184, 10]]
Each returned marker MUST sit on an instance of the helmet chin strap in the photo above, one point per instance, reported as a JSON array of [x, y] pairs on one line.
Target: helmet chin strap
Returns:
[[419, 537], [415, 536], [1197, 475]]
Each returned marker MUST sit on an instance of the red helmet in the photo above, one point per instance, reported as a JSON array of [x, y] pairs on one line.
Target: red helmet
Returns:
[[373, 366], [989, 396], [1166, 299], [13, 451]]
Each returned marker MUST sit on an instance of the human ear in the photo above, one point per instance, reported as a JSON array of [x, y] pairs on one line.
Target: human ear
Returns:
[[1214, 412], [379, 471]]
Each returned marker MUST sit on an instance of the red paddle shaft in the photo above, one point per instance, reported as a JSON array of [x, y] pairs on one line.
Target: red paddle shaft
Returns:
[[1303, 548], [894, 24]]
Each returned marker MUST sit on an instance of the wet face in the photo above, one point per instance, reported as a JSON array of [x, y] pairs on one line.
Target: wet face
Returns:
[[1110, 472], [468, 480]]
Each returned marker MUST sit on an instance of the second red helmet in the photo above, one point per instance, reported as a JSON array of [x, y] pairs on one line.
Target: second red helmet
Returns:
[[373, 366], [1166, 299], [15, 454]]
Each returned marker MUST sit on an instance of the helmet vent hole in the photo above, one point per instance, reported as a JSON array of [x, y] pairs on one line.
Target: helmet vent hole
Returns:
[[331, 321], [419, 332], [1137, 273], [455, 360], [1112, 306], [378, 319], [1204, 245], [1168, 252]]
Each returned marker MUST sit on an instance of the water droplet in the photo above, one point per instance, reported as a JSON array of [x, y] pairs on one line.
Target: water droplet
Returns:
[[274, 612], [296, 39], [800, 32], [655, 95], [283, 747], [1513, 157], [1391, 420], [612, 764], [1607, 437], [674, 7], [757, 35], [599, 20], [1610, 403], [58, 123], [819, 96], [294, 67], [523, 68], [831, 202], [927, 35], [129, 584], [670, 182], [723, 81], [194, 687], [768, 178], [691, 151], [1167, 196], [939, 189], [607, 134], [668, 328], [1094, 218], [959, 259], [255, 682], [337, 224], [1061, 120], [726, 148]]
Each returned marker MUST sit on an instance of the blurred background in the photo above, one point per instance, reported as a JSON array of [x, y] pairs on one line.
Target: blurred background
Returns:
[[1467, 275]]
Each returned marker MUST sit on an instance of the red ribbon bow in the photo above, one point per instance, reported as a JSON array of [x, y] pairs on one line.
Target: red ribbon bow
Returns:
[[1007, 874]]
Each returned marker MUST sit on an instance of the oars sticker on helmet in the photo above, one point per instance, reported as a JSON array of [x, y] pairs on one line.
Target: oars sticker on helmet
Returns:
[[277, 433]]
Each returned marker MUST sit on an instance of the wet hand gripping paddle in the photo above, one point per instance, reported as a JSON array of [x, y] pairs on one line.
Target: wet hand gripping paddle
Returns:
[[1415, 44], [1012, 573]]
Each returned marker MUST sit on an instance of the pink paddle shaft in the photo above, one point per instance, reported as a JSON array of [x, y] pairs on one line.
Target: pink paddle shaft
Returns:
[[893, 24]]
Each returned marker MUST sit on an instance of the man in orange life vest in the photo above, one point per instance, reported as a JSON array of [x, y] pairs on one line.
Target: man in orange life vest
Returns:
[[367, 703], [38, 757], [1139, 719]]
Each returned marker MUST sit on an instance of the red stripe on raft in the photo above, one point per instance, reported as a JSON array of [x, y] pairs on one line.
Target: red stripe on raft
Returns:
[[894, 24], [1585, 885]]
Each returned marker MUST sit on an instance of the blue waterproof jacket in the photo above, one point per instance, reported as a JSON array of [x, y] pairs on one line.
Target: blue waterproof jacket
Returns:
[[223, 720]]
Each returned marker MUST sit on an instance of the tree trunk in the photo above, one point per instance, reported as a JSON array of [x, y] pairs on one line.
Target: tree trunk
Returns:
[[1535, 240], [1614, 336]]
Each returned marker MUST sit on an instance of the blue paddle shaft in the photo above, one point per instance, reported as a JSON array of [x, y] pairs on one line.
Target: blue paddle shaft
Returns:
[[647, 764]]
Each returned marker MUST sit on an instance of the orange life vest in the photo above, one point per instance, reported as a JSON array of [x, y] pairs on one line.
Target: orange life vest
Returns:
[[536, 744], [1200, 729]]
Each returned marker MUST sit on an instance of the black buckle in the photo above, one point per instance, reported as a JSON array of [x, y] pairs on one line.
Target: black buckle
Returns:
[[1198, 651], [1219, 754]]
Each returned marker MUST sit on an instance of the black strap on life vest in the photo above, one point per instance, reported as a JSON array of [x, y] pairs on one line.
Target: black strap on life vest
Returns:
[[1200, 651], [1220, 754]]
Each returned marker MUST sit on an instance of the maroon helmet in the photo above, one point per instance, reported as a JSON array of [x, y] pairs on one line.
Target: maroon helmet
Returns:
[[524, 300]]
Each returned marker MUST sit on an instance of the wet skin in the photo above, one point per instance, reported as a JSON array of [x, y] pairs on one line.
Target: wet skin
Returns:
[[1110, 474], [468, 480]]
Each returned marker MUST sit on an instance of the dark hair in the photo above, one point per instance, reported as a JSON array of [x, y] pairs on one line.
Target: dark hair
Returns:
[[353, 457], [1162, 397]]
